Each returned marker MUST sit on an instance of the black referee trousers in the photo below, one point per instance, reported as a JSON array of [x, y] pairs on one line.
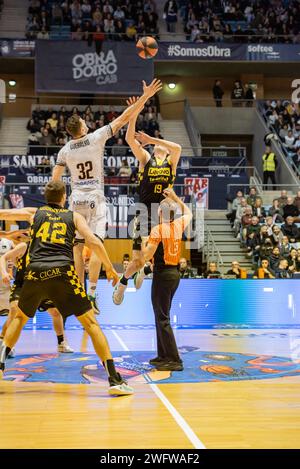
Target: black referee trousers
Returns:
[[164, 285]]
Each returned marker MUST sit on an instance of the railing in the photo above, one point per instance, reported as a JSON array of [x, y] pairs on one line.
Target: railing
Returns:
[[208, 151], [169, 36], [192, 128], [289, 161], [210, 249]]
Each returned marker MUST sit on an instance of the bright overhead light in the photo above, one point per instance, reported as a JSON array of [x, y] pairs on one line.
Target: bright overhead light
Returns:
[[12, 82], [172, 86]]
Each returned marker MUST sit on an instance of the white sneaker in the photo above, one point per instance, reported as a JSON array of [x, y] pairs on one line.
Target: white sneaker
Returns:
[[139, 278], [12, 353], [64, 347], [118, 294], [120, 390]]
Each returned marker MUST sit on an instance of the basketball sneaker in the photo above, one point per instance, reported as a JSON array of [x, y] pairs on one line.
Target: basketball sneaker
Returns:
[[64, 347], [118, 294], [95, 306], [169, 366], [139, 278], [119, 387], [12, 353], [156, 361]]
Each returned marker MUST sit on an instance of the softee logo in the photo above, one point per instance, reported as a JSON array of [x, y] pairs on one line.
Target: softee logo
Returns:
[[103, 67], [260, 48]]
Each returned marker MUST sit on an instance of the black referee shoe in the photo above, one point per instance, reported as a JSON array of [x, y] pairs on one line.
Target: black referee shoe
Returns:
[[156, 361], [169, 366]]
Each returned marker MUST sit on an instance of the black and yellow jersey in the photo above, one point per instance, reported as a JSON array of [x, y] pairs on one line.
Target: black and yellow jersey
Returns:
[[154, 178], [52, 236]]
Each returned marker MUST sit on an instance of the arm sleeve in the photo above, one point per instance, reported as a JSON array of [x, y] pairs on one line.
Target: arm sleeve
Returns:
[[102, 134], [155, 236], [61, 158]]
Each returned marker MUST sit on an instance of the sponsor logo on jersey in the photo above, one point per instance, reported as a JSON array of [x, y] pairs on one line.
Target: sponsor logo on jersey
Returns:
[[159, 172]]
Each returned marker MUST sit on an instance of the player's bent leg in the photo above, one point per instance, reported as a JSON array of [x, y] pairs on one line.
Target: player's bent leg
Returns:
[[118, 386], [11, 315], [94, 272], [58, 326], [134, 266], [78, 260], [11, 337]]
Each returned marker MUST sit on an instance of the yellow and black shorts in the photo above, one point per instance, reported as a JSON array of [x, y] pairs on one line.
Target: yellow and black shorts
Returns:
[[15, 296], [57, 284]]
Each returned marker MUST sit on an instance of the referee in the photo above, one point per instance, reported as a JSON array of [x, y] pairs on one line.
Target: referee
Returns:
[[164, 246]]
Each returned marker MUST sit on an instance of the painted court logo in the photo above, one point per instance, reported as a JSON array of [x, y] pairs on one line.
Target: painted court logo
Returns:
[[103, 67], [199, 366]]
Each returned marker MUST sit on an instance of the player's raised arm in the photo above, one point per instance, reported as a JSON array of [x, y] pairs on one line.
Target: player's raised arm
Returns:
[[15, 235], [173, 148], [12, 256], [148, 92], [137, 149], [59, 167], [95, 245], [18, 214], [186, 212]]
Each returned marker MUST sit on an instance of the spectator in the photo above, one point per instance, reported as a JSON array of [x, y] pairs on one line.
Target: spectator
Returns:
[[290, 210], [282, 201], [258, 210], [293, 260], [170, 15], [43, 168], [269, 167], [125, 170], [212, 271], [43, 34], [46, 139], [235, 270], [53, 121], [297, 201], [249, 96], [282, 270], [264, 271], [251, 198], [184, 270], [285, 246], [290, 229], [277, 235], [218, 93], [274, 258], [276, 212], [237, 94], [235, 204]]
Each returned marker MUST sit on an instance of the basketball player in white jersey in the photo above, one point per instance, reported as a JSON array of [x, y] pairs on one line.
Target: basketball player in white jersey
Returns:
[[83, 155], [5, 246]]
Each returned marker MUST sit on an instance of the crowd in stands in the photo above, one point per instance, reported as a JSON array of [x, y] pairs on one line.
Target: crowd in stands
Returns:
[[47, 127], [241, 95], [283, 117], [270, 235], [242, 21], [93, 20]]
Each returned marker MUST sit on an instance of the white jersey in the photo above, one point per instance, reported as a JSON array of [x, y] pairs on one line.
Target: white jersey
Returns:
[[5, 246], [84, 159]]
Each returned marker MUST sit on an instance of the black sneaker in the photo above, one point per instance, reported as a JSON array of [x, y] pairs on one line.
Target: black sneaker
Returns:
[[95, 306], [169, 366], [156, 361], [118, 386], [4, 312]]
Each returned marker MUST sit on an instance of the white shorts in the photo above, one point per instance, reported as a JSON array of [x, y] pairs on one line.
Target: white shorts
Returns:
[[91, 205], [4, 296]]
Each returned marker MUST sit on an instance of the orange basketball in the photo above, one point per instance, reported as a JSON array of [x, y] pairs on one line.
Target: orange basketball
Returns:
[[217, 369], [147, 47]]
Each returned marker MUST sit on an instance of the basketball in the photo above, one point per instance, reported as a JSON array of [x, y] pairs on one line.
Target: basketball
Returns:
[[147, 47]]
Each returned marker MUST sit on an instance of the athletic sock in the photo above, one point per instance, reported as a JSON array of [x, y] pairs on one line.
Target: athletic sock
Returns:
[[124, 280], [109, 366], [147, 270], [4, 351], [60, 339], [92, 289]]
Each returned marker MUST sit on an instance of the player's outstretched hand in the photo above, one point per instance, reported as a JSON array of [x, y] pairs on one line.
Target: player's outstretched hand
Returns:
[[154, 87], [171, 194], [6, 278], [143, 138], [132, 100], [112, 275]]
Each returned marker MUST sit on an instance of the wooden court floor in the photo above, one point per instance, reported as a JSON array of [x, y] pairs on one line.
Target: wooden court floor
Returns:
[[236, 414]]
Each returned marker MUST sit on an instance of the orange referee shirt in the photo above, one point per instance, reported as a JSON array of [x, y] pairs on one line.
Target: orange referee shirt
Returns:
[[167, 237]]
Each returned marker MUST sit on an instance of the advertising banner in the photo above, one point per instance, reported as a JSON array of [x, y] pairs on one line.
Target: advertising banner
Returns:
[[78, 68]]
